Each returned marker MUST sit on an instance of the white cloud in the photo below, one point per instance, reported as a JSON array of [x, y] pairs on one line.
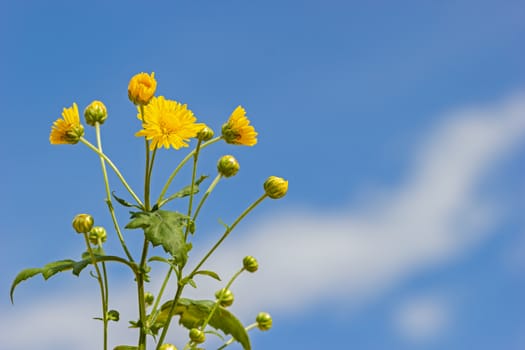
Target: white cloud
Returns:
[[422, 319], [438, 214]]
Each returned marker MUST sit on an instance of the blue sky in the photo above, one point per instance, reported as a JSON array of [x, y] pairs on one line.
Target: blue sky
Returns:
[[400, 126]]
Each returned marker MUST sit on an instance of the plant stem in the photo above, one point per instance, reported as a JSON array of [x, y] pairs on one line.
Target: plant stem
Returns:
[[216, 305], [140, 291], [115, 169], [142, 267], [206, 194], [161, 292], [226, 233], [103, 294], [181, 164], [231, 340], [193, 174], [178, 293], [108, 195]]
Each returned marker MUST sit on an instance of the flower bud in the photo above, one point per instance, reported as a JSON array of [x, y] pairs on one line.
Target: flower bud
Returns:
[[148, 298], [264, 321], [275, 187], [250, 263], [141, 88], [228, 166], [74, 134], [197, 336], [225, 297], [96, 112], [97, 235], [83, 223], [205, 134], [113, 315], [167, 346]]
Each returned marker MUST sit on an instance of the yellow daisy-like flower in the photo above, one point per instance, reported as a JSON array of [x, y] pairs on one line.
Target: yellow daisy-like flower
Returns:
[[238, 130], [67, 130], [167, 123], [141, 88]]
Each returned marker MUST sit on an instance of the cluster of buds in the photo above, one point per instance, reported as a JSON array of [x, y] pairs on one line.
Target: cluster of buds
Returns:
[[83, 223], [149, 298]]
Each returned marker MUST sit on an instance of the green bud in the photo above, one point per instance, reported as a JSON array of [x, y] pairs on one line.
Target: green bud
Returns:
[[83, 223], [264, 321], [113, 315], [96, 112], [167, 346], [97, 234], [197, 336], [205, 134], [228, 166], [148, 298], [275, 187], [225, 297], [74, 134], [250, 263]]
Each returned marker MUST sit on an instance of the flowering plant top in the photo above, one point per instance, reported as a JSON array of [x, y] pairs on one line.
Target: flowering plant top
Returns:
[[165, 124]]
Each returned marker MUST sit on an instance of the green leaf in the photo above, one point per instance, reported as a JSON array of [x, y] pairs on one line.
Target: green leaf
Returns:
[[79, 266], [53, 268], [192, 283], [161, 259], [164, 228], [184, 192], [125, 347], [22, 276], [225, 321], [193, 313], [122, 201], [208, 273]]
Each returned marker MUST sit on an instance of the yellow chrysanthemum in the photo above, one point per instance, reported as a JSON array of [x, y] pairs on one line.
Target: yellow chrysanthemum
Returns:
[[67, 130], [141, 88], [168, 124], [238, 130]]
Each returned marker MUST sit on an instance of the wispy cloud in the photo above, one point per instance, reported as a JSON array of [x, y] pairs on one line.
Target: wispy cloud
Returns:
[[422, 319], [438, 213]]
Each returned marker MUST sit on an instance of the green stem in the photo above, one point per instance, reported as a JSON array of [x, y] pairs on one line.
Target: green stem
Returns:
[[161, 292], [193, 175], [140, 292], [181, 164], [131, 265], [226, 234], [178, 293], [216, 305], [147, 167], [115, 169], [206, 194], [108, 195], [103, 295], [231, 340]]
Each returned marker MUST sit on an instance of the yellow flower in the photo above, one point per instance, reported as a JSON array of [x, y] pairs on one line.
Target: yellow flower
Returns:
[[168, 123], [238, 130], [141, 88], [67, 130]]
